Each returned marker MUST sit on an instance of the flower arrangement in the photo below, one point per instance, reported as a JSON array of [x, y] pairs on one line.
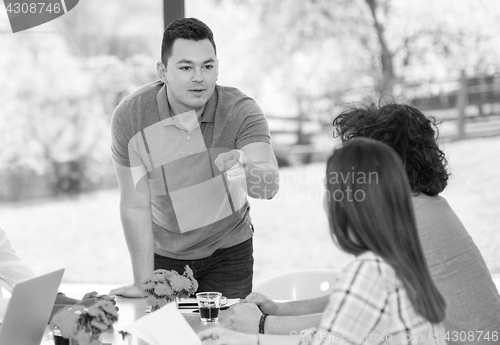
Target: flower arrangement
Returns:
[[83, 324], [167, 286]]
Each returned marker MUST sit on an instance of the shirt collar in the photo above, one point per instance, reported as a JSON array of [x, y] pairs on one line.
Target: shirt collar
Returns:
[[164, 108]]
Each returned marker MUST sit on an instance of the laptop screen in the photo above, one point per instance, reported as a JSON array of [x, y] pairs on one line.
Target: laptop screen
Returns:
[[28, 311]]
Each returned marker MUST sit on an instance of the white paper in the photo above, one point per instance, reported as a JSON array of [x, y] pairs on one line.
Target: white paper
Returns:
[[165, 326], [4, 302]]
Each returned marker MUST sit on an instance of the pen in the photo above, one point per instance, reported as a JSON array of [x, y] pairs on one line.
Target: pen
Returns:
[[221, 308]]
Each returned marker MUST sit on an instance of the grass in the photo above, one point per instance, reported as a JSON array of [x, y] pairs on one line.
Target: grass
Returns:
[[84, 233]]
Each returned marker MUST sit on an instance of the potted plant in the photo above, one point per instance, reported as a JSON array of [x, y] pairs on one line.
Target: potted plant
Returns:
[[169, 286], [83, 325]]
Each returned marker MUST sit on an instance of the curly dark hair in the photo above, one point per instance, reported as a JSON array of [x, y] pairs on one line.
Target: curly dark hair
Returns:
[[186, 28], [409, 132]]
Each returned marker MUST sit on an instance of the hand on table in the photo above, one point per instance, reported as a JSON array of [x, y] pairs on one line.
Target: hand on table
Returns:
[[222, 336], [91, 298], [243, 317], [131, 291], [265, 304]]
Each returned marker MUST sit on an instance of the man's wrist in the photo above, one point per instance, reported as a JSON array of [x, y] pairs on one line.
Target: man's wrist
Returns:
[[139, 279]]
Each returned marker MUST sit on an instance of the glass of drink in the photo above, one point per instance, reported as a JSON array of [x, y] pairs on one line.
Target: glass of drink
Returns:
[[209, 304]]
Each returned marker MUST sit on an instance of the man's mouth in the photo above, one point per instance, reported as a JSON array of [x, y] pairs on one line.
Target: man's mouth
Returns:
[[197, 90]]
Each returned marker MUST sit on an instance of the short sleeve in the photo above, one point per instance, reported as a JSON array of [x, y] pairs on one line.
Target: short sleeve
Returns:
[[12, 269], [356, 306], [128, 150], [254, 127], [119, 138]]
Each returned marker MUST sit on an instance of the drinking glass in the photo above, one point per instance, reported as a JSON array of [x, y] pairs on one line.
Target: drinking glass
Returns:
[[209, 304]]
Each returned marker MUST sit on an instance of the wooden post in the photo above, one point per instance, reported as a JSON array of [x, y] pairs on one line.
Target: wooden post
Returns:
[[301, 138], [172, 10], [462, 101]]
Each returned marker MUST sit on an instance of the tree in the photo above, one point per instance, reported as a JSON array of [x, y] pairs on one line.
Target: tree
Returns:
[[396, 41], [120, 28], [59, 91]]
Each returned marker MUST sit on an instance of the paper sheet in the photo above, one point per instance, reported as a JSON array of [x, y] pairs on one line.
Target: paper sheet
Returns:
[[4, 302], [165, 326]]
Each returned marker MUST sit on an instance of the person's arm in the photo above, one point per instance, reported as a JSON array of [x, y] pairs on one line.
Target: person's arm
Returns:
[[303, 307], [246, 317], [261, 170], [256, 164], [90, 298], [292, 308], [286, 325], [135, 212], [222, 336], [12, 270]]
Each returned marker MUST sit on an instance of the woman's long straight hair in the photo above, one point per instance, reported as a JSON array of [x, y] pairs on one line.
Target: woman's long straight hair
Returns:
[[370, 209]]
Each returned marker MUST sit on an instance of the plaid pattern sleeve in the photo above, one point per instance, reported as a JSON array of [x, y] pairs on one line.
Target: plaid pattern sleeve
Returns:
[[369, 305], [357, 305]]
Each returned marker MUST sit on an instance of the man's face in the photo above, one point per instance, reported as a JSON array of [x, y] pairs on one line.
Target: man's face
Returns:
[[190, 74]]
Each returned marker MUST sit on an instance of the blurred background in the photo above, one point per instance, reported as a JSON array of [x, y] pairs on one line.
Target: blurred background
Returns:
[[302, 60]]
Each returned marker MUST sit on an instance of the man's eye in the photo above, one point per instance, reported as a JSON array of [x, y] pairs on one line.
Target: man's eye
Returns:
[[185, 68], [209, 67]]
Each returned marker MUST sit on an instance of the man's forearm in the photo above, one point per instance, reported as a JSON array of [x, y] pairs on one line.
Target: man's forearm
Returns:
[[262, 180], [289, 325], [303, 307], [139, 237]]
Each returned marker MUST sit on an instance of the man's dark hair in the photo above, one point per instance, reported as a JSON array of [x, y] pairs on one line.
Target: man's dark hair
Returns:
[[409, 132], [186, 28]]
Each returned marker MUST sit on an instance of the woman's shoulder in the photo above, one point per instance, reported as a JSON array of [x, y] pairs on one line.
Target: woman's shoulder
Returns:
[[369, 266], [369, 260]]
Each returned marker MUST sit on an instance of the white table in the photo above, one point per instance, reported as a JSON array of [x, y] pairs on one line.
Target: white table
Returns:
[[131, 309]]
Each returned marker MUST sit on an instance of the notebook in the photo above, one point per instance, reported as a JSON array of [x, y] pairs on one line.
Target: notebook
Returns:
[[28, 310]]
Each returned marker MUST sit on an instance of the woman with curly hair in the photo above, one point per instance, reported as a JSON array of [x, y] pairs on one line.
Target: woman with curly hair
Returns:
[[456, 265], [409, 132]]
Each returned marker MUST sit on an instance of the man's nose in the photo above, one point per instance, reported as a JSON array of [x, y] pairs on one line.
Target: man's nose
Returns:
[[197, 75]]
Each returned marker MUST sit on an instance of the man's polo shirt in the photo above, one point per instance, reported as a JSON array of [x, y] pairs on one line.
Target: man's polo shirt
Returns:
[[195, 209]]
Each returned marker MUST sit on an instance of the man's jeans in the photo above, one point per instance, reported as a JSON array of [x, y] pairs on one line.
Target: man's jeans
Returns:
[[227, 270]]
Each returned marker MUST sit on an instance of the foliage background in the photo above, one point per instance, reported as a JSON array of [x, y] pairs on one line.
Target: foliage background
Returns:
[[61, 81]]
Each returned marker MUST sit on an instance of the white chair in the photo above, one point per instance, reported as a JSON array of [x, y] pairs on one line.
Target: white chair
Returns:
[[496, 280], [298, 285]]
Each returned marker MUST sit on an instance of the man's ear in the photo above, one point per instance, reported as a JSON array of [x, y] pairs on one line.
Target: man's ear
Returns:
[[161, 69], [217, 77]]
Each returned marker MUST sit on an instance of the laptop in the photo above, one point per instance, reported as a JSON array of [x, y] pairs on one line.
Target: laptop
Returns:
[[29, 310]]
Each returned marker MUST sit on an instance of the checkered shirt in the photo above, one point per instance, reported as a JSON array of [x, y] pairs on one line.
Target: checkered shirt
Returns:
[[369, 305]]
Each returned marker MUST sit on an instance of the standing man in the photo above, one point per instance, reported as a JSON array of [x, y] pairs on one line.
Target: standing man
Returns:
[[187, 152]]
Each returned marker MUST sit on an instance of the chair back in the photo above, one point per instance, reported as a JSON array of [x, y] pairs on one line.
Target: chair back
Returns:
[[298, 285]]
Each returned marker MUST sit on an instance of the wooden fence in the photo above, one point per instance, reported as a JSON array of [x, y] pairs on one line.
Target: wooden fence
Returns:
[[292, 139], [475, 102]]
